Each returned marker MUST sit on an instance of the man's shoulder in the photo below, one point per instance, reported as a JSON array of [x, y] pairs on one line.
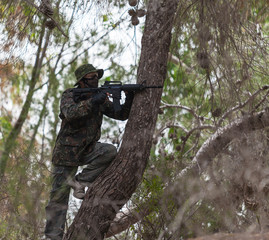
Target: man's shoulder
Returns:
[[67, 92], [67, 96]]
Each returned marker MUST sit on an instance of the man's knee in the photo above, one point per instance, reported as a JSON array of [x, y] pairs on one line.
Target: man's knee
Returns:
[[110, 151]]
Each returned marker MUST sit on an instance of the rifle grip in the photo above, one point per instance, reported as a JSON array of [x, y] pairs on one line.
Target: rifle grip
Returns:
[[116, 104]]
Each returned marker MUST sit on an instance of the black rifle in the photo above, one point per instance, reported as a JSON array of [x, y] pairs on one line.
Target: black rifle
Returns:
[[112, 87]]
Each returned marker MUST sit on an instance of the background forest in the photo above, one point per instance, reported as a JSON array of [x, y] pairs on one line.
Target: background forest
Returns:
[[208, 170]]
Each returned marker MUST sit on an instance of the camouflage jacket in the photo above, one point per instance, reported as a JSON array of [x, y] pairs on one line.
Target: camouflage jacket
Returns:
[[81, 127]]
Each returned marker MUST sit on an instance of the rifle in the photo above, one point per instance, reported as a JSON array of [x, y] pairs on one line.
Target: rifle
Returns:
[[112, 87]]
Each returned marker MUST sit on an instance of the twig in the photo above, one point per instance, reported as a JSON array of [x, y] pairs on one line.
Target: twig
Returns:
[[56, 23], [223, 136], [166, 105], [225, 115]]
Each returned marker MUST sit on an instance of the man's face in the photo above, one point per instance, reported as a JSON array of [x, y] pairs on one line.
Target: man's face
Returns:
[[89, 80]]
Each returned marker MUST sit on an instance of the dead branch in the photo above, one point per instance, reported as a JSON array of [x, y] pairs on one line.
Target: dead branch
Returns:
[[48, 16], [124, 220], [223, 136], [177, 61], [211, 148], [234, 236], [251, 98], [166, 105]]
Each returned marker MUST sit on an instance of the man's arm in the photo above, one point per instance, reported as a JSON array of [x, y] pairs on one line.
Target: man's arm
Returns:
[[108, 108], [72, 110]]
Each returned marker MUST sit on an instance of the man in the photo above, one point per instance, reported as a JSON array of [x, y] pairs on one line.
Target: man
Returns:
[[77, 144]]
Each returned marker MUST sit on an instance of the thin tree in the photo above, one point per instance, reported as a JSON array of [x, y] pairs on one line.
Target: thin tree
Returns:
[[15, 131]]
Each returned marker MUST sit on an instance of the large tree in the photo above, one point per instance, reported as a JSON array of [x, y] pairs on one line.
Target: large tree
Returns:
[[116, 185], [207, 168], [223, 52]]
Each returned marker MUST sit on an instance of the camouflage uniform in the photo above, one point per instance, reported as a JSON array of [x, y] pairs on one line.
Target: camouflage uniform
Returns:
[[77, 144], [81, 127]]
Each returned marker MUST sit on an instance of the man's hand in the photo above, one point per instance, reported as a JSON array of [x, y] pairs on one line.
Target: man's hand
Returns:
[[129, 94], [99, 98]]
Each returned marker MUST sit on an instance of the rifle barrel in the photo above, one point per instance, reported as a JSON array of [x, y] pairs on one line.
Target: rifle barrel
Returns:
[[153, 86]]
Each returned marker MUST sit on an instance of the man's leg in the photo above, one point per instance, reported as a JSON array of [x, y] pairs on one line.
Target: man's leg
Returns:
[[97, 161], [57, 207]]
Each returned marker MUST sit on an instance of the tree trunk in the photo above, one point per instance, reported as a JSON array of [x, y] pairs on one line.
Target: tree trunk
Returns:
[[116, 185]]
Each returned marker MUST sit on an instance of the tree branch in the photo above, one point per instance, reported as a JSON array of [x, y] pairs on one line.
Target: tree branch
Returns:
[[50, 17], [232, 236], [124, 220], [225, 115], [176, 61], [166, 105], [211, 148], [223, 136]]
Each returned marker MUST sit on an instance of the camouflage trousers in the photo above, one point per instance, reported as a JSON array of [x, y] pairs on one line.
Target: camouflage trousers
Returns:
[[96, 162]]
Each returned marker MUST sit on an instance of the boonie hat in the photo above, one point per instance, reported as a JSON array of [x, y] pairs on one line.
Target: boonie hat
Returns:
[[85, 69]]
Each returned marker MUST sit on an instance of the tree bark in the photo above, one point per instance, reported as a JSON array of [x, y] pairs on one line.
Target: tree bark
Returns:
[[115, 186]]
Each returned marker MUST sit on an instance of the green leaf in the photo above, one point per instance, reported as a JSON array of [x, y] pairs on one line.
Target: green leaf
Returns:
[[105, 18], [5, 124]]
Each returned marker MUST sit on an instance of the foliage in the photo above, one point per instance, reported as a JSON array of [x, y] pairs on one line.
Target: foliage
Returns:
[[216, 74], [25, 188]]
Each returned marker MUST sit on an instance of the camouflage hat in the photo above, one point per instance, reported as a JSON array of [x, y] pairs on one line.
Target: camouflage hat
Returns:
[[85, 69]]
